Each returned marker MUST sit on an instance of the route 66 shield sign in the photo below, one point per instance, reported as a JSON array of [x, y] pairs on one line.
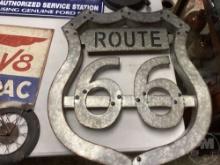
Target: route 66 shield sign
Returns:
[[128, 32]]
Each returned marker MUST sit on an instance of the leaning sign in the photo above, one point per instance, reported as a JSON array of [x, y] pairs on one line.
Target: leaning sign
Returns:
[[110, 37]]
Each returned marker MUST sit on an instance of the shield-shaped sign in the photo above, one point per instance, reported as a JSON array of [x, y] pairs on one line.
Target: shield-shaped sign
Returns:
[[129, 32]]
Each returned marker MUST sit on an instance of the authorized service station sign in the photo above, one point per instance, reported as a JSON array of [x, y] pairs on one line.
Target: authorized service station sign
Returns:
[[49, 8], [23, 55]]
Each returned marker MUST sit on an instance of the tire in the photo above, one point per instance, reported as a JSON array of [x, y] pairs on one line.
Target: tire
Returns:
[[31, 138]]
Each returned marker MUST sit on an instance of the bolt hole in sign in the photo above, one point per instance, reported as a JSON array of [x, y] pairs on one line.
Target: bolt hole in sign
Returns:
[[23, 55]]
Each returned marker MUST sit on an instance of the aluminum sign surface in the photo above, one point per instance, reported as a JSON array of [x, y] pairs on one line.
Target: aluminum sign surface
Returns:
[[128, 31]]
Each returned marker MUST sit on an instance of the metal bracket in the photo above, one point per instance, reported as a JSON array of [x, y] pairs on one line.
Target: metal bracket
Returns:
[[128, 101]]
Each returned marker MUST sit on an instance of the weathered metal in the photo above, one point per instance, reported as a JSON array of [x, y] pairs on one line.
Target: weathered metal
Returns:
[[109, 32]]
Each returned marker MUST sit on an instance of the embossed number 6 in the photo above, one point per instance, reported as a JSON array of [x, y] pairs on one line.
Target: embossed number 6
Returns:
[[85, 85], [143, 88]]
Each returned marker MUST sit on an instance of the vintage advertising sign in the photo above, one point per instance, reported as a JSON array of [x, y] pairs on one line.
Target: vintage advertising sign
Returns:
[[52, 8], [23, 55]]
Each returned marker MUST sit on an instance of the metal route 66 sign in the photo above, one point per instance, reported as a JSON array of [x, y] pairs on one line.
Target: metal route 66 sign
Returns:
[[129, 32]]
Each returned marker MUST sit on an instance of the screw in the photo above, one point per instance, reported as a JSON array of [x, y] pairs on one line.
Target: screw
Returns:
[[113, 103], [119, 96], [137, 100], [138, 159]]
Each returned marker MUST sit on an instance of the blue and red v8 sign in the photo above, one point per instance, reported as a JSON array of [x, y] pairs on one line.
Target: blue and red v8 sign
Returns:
[[23, 54]]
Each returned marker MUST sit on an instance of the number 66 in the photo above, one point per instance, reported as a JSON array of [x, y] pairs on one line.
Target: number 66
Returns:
[[142, 90]]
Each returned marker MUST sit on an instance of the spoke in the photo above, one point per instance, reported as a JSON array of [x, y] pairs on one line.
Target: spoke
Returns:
[[3, 123], [24, 134], [17, 144], [7, 149], [23, 124], [2, 120], [7, 118], [16, 121], [2, 151]]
